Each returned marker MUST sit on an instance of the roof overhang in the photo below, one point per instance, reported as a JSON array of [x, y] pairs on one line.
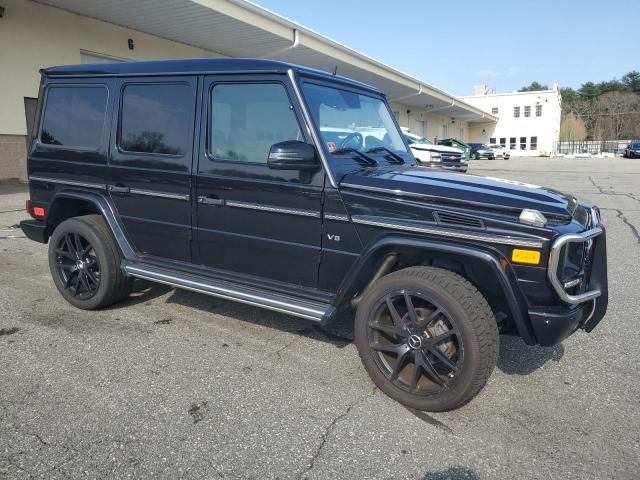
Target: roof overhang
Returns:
[[238, 28]]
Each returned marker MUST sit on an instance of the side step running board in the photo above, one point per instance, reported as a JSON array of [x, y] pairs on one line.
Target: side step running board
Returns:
[[231, 291]]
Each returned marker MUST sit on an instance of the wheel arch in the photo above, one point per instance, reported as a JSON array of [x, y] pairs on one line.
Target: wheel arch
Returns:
[[481, 265], [73, 203]]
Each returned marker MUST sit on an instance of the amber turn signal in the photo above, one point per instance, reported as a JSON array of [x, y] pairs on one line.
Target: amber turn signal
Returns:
[[531, 257]]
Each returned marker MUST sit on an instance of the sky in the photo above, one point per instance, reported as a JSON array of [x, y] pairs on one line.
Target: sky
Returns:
[[503, 44]]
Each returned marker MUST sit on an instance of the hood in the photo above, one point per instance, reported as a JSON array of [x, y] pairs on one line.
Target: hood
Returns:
[[470, 190], [434, 148]]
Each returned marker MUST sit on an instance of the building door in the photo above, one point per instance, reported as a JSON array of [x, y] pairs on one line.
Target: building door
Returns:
[[445, 131], [250, 219], [422, 128]]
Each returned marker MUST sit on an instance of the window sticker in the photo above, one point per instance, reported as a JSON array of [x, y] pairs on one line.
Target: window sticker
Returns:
[[332, 146]]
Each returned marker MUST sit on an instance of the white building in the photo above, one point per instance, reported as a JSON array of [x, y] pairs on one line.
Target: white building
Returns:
[[528, 122], [43, 33]]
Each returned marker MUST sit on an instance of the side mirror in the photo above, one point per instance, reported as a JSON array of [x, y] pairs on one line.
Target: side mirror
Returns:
[[293, 155]]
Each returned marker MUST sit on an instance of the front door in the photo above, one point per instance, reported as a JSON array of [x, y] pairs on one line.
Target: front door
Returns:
[[251, 220], [150, 164]]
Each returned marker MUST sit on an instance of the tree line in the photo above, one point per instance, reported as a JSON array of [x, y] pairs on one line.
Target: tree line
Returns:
[[608, 110]]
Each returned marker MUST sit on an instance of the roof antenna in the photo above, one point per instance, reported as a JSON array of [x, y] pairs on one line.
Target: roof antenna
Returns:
[[335, 70]]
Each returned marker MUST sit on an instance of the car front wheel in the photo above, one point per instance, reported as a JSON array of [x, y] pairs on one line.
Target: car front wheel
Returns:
[[427, 338]]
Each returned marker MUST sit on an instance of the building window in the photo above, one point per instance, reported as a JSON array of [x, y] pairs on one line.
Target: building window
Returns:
[[74, 116], [503, 142], [492, 140], [397, 114], [461, 135], [512, 143], [494, 111], [445, 131], [538, 110], [156, 118], [523, 143], [527, 111], [516, 112], [533, 143], [247, 119]]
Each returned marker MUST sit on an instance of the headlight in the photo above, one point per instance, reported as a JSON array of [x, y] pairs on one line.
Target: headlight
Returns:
[[533, 217], [435, 156]]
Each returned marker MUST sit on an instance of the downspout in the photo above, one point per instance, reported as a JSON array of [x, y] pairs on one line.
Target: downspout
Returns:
[[453, 102], [296, 42]]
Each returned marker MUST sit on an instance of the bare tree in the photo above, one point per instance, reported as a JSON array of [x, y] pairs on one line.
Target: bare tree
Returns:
[[572, 128], [615, 113]]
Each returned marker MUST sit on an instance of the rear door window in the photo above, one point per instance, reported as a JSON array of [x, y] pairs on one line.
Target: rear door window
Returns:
[[74, 116], [156, 119]]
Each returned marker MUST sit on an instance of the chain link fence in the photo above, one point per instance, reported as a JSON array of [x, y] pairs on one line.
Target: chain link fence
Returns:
[[590, 147]]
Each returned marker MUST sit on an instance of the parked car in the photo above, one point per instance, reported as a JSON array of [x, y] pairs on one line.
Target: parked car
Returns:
[[500, 151], [257, 181], [439, 156], [480, 150], [455, 143], [632, 150]]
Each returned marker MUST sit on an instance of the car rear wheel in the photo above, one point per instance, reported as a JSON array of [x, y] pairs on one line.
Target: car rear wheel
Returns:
[[427, 338], [84, 260]]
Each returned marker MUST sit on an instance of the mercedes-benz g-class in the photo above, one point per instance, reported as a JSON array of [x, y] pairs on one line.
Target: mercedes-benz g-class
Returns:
[[294, 190]]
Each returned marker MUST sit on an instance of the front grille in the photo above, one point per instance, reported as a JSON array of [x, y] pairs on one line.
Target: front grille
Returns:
[[450, 157]]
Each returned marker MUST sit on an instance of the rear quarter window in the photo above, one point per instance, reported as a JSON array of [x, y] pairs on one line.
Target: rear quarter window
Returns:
[[74, 116]]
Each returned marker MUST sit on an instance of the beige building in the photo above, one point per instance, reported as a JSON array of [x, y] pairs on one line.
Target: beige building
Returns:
[[39, 34]]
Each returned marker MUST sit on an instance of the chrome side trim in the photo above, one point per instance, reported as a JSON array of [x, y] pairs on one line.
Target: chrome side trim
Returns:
[[338, 217], [71, 183], [154, 193], [481, 237], [307, 117], [227, 291], [267, 208], [554, 262]]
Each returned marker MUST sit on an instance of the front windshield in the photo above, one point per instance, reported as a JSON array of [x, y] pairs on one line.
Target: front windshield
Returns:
[[352, 121], [411, 139]]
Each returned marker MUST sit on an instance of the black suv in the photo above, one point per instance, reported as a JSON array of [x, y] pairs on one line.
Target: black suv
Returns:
[[294, 190]]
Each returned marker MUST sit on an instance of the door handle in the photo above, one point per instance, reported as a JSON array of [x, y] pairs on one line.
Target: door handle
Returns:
[[211, 200], [118, 189]]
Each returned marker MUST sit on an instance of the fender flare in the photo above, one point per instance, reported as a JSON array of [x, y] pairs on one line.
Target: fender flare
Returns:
[[106, 209], [376, 251]]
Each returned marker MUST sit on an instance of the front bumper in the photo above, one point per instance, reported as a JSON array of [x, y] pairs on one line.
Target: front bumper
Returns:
[[34, 230], [584, 309]]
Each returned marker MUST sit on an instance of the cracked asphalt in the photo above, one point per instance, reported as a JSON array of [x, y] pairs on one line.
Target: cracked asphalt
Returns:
[[172, 384]]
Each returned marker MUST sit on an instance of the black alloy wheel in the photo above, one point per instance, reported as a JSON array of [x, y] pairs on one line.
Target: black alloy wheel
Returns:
[[78, 266], [418, 346], [427, 337], [85, 263]]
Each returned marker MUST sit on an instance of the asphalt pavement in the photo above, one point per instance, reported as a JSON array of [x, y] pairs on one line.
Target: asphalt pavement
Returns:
[[172, 384]]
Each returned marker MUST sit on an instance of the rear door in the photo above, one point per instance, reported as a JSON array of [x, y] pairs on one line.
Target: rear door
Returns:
[[151, 162], [252, 220]]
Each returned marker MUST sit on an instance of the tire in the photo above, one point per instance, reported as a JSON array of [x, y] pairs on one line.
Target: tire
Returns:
[[91, 279], [453, 318]]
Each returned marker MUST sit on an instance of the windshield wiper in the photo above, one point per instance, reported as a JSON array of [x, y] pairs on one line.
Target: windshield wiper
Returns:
[[362, 157], [397, 158]]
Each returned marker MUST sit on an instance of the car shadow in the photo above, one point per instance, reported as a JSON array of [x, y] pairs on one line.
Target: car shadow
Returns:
[[144, 292], [518, 358], [453, 473], [515, 358]]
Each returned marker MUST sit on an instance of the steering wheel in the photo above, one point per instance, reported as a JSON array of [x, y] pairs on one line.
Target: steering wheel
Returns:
[[350, 137]]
